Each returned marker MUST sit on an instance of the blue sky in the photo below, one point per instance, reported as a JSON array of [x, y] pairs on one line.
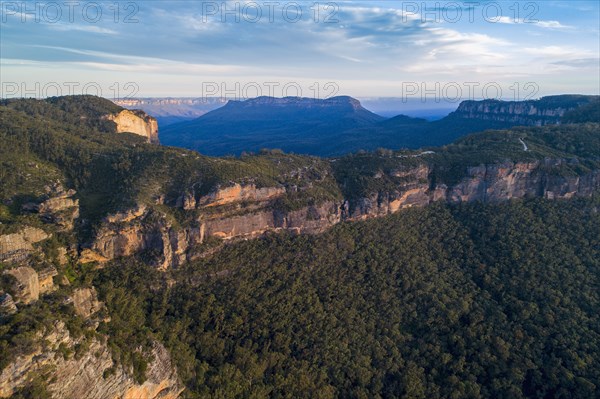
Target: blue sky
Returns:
[[364, 49]]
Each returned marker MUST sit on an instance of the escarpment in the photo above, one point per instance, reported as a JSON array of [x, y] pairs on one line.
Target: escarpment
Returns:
[[545, 111], [80, 197], [137, 122], [244, 211]]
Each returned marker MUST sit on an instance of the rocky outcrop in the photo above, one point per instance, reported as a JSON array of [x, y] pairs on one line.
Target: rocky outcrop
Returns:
[[138, 235], [61, 256], [239, 193], [83, 376], [57, 207], [243, 212], [137, 122], [85, 301], [501, 182], [485, 183], [545, 111], [312, 219], [7, 305], [27, 284], [46, 279], [114, 241], [127, 216], [18, 246]]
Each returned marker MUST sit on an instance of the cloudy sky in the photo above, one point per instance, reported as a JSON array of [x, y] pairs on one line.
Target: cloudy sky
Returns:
[[507, 49]]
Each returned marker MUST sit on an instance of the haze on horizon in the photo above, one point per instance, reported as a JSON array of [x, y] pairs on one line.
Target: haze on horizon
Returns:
[[471, 50]]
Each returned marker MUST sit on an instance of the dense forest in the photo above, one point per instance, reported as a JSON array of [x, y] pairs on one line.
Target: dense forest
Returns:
[[63, 139], [446, 302], [451, 301]]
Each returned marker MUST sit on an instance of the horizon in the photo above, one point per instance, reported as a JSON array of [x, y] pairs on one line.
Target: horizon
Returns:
[[387, 107], [269, 199]]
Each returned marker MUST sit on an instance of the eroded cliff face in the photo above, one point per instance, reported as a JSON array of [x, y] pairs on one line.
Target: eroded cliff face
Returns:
[[244, 212], [75, 377], [526, 113], [137, 122], [17, 246]]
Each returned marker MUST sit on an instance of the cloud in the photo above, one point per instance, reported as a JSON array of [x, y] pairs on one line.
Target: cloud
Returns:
[[127, 63], [558, 52], [83, 28], [580, 63], [552, 25], [362, 40], [542, 24]]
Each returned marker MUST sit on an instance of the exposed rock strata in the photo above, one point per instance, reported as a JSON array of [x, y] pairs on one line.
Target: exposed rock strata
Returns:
[[82, 376], [7, 305], [17, 246], [85, 301], [27, 284], [137, 122], [526, 113], [30, 284], [57, 207], [46, 279], [223, 216]]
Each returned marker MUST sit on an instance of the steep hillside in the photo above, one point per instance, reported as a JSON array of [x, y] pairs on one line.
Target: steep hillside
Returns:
[[448, 301], [585, 113], [111, 245], [545, 111], [88, 112], [135, 197]]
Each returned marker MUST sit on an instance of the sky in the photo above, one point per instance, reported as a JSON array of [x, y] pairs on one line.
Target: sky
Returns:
[[413, 50]]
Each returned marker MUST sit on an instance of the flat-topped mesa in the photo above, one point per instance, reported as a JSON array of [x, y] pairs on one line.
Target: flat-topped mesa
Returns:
[[136, 122], [545, 111], [339, 103]]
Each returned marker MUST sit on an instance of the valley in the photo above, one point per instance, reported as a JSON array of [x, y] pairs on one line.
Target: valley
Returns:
[[98, 224], [296, 200], [339, 125]]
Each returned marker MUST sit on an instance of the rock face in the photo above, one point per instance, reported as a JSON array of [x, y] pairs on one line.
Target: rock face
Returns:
[[242, 212], [85, 301], [545, 111], [238, 193], [17, 246], [57, 207], [31, 284], [7, 305], [46, 279], [82, 376], [137, 122], [28, 285], [60, 211]]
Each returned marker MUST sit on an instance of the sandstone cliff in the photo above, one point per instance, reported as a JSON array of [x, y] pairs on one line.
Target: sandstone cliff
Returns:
[[56, 207], [18, 246], [545, 111], [242, 212], [137, 122], [83, 376]]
